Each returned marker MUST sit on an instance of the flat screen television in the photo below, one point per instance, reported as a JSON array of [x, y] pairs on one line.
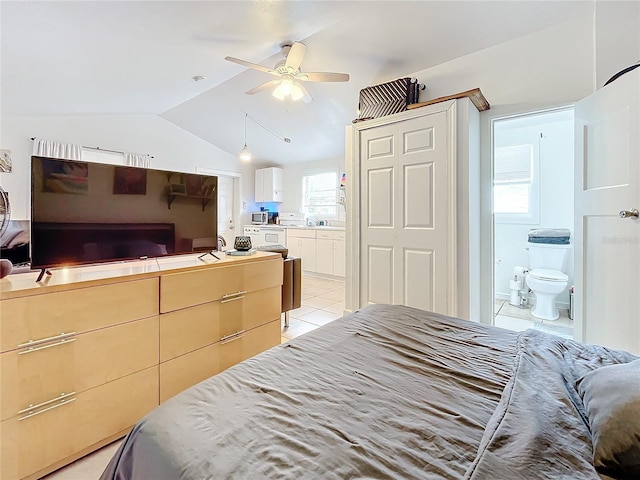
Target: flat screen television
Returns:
[[85, 212]]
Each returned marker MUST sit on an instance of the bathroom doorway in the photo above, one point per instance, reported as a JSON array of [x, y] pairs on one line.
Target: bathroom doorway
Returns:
[[533, 164]]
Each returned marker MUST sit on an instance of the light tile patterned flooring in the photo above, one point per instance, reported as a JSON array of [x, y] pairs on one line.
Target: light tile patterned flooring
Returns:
[[518, 319], [322, 302]]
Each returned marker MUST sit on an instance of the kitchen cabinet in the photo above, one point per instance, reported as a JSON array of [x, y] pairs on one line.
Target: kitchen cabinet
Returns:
[[330, 252], [301, 243], [322, 251], [269, 183]]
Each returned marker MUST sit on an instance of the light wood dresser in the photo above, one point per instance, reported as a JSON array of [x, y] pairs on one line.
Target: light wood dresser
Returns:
[[88, 352]]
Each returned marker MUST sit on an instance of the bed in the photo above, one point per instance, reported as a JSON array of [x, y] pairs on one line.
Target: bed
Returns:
[[396, 392]]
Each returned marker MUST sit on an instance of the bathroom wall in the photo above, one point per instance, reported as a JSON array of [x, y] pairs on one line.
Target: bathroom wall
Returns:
[[556, 192]]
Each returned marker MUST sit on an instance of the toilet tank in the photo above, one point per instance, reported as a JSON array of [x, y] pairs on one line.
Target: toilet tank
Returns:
[[548, 256]]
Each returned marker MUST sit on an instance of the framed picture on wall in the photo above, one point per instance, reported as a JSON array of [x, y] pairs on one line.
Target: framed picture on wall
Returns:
[[65, 176], [129, 181], [5, 161], [194, 184]]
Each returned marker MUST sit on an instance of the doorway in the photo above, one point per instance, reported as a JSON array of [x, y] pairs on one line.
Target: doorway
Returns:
[[533, 163], [228, 202]]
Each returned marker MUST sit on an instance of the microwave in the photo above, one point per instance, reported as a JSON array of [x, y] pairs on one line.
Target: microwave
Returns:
[[260, 218]]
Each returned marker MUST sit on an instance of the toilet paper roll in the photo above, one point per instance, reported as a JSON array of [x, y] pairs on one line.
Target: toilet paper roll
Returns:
[[519, 272], [515, 285]]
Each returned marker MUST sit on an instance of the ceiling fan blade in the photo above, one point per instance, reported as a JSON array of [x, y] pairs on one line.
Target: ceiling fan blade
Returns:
[[323, 77], [307, 96], [255, 66], [264, 86], [295, 56]]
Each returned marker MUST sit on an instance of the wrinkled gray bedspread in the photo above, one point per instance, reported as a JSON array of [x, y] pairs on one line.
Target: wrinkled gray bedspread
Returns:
[[386, 392]]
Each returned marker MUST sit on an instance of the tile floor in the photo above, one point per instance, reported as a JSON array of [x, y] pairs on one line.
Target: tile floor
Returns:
[[518, 319], [322, 302]]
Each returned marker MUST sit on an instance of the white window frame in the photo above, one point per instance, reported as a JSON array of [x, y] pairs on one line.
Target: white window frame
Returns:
[[102, 156], [532, 216], [334, 204]]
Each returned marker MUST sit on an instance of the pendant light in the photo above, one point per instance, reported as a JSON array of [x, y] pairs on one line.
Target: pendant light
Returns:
[[245, 154]]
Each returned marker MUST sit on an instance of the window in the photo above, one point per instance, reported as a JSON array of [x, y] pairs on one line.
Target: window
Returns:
[[514, 198], [102, 156], [319, 194]]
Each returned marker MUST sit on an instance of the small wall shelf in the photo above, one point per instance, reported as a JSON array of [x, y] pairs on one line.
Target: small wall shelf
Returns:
[[203, 199]]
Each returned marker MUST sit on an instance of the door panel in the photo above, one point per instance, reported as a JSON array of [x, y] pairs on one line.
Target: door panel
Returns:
[[380, 269], [226, 195], [381, 199], [419, 184], [420, 278]]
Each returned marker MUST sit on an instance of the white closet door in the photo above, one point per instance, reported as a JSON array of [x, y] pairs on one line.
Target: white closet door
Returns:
[[407, 214]]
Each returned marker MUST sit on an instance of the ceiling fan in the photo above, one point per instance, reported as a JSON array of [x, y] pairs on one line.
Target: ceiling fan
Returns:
[[287, 85]]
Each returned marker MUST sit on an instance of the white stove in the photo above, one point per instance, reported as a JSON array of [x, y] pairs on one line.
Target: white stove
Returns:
[[266, 234]]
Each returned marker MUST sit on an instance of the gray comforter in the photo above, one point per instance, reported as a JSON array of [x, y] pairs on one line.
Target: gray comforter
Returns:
[[387, 392]]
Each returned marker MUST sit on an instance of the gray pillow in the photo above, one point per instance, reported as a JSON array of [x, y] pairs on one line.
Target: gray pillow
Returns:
[[611, 396]]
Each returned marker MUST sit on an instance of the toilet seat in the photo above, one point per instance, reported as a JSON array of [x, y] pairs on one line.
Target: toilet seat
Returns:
[[549, 275]]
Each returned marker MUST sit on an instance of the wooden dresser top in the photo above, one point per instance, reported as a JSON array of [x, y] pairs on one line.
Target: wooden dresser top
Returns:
[[24, 284]]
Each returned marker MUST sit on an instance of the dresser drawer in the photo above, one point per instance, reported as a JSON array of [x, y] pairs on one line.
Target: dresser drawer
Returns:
[[75, 364], [83, 309], [253, 342], [182, 372], [180, 290], [33, 443], [188, 329]]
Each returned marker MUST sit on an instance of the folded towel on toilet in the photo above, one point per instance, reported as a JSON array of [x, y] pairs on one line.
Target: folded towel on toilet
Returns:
[[550, 240], [549, 232]]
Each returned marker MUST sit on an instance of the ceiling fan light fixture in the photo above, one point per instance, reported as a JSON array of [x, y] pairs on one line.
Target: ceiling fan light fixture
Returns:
[[277, 93], [288, 89], [296, 92]]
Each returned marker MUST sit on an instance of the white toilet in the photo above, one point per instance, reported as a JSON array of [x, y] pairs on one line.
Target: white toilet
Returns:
[[546, 278]]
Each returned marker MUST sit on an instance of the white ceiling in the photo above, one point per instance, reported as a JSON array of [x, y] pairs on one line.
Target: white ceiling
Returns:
[[123, 57]]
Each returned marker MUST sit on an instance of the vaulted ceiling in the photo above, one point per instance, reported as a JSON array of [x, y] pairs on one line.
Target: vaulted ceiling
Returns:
[[140, 57]]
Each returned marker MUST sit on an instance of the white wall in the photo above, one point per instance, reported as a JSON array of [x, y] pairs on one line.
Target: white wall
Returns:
[[172, 148], [617, 31], [556, 191]]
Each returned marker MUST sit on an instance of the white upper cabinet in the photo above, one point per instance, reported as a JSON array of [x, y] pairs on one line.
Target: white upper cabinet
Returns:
[[269, 183]]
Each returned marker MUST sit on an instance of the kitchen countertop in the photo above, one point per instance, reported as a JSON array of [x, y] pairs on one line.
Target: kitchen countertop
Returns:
[[300, 227], [316, 227]]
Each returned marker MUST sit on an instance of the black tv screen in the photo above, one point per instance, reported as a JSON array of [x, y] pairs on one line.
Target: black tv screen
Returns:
[[85, 212]]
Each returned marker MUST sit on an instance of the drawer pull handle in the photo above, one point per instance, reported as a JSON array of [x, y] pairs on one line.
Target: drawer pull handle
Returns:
[[232, 299], [229, 295], [31, 343], [232, 337], [61, 404], [64, 341], [57, 399]]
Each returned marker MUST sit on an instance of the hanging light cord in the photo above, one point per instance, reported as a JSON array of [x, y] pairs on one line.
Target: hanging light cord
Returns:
[[246, 115], [245, 130]]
